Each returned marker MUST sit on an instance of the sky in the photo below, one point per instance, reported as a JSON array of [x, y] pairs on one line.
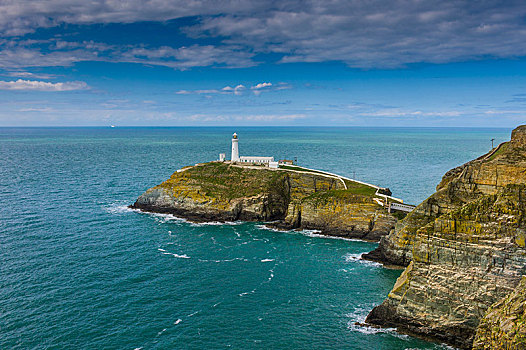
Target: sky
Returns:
[[255, 62]]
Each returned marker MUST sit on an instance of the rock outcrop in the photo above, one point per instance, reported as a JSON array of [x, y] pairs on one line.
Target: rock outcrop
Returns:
[[464, 248], [485, 175], [504, 326], [226, 192]]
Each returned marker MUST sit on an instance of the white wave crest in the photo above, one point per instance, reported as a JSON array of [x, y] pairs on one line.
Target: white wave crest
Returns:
[[184, 256], [267, 228], [216, 223], [246, 293], [223, 260], [308, 233], [357, 257], [118, 208], [356, 323]]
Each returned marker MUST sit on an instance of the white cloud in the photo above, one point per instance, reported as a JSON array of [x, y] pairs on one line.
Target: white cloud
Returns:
[[35, 85], [401, 113], [238, 90], [258, 88], [363, 34], [40, 109], [261, 86], [504, 111], [250, 118], [23, 74], [271, 117], [377, 34], [18, 17], [16, 55]]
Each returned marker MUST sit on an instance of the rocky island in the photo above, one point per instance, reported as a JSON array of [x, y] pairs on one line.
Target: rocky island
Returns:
[[464, 254], [463, 248], [289, 197]]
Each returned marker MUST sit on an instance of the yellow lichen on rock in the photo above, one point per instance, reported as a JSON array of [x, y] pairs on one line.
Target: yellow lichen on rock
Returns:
[[310, 200], [466, 247], [504, 325]]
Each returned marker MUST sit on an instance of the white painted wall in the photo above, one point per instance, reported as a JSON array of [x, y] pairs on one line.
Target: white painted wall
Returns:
[[235, 148], [255, 159]]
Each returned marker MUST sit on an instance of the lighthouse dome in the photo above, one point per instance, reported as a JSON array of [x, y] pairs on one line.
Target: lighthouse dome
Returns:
[[234, 136]]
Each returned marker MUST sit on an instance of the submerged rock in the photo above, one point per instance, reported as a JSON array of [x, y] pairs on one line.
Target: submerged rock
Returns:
[[226, 192], [463, 248]]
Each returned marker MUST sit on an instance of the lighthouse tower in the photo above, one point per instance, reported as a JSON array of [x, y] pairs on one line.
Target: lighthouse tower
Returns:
[[235, 148]]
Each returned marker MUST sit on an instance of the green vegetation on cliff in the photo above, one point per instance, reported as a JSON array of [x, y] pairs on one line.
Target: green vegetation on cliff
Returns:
[[465, 247], [225, 182], [312, 200]]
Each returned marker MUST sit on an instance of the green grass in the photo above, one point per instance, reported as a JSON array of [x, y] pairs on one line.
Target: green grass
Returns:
[[352, 187], [219, 180], [501, 150], [225, 182], [358, 188]]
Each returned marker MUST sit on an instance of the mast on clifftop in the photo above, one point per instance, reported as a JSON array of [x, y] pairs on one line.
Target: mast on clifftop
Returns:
[[235, 148]]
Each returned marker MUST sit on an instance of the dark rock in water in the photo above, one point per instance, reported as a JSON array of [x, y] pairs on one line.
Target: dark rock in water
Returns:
[[464, 249], [385, 190], [225, 192]]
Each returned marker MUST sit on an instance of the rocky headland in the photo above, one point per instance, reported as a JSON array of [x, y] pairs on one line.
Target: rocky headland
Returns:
[[464, 254], [223, 191]]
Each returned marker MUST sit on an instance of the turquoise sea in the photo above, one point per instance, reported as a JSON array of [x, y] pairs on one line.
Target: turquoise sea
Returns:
[[81, 271]]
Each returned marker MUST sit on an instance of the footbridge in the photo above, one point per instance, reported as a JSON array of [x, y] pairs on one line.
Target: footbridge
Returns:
[[400, 207]]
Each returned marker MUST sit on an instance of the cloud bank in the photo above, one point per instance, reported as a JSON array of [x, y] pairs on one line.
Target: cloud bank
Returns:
[[35, 85], [371, 34], [238, 90]]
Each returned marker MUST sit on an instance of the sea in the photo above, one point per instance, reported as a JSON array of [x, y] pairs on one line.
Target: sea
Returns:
[[79, 270]]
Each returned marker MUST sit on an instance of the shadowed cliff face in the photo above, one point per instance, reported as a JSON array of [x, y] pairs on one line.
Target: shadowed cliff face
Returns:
[[504, 326], [464, 248], [223, 192]]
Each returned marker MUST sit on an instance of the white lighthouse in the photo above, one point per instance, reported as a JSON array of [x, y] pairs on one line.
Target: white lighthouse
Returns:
[[235, 148]]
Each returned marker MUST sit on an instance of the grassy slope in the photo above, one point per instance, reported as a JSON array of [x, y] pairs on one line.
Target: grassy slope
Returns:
[[218, 180], [352, 187], [222, 182]]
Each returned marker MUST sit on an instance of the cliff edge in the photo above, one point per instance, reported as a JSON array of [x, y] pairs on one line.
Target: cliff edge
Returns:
[[221, 191], [463, 248]]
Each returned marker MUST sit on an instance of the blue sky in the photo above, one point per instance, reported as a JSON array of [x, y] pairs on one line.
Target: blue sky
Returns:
[[244, 62]]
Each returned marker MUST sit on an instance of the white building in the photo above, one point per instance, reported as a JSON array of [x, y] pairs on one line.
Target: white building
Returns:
[[264, 160], [246, 159], [222, 157]]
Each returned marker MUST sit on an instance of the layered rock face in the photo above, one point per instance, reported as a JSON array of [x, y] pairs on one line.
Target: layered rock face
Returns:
[[464, 248], [225, 192], [504, 326], [485, 175]]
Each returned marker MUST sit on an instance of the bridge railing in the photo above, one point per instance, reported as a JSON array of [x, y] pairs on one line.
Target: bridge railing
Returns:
[[401, 207]]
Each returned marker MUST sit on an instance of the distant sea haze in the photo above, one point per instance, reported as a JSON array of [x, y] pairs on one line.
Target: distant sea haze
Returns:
[[81, 270]]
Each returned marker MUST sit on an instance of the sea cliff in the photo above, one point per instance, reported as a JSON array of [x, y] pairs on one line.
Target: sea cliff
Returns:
[[222, 191], [464, 252]]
